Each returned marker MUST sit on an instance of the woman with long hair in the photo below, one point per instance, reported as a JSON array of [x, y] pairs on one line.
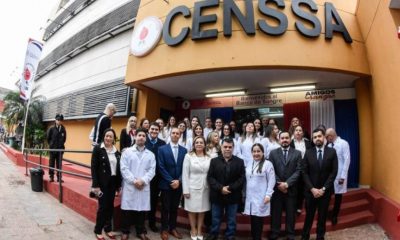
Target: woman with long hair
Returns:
[[228, 133], [195, 186], [258, 127], [145, 124], [127, 136], [213, 148], [193, 123], [197, 131], [260, 182], [106, 181], [270, 141], [246, 142], [302, 144], [170, 124]]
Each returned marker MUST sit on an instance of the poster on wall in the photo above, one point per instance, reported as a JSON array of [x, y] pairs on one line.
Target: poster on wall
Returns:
[[273, 100]]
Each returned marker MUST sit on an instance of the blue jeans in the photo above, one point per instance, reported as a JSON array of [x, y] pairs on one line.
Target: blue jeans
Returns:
[[217, 211]]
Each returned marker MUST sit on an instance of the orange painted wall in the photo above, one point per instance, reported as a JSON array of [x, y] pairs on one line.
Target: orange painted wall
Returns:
[[150, 102], [379, 25], [78, 137], [292, 50], [363, 94]]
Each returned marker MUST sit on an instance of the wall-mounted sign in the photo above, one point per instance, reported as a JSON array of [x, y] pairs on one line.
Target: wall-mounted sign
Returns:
[[306, 11], [272, 100], [145, 36]]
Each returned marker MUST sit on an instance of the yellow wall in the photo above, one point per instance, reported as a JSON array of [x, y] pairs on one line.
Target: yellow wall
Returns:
[[292, 50], [78, 137], [363, 94], [150, 102], [379, 26]]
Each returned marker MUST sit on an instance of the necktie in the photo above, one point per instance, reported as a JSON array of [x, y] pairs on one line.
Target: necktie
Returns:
[[285, 155], [320, 157], [176, 153]]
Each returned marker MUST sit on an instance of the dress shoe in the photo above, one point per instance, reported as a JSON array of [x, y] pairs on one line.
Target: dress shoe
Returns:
[[51, 179], [153, 228], [176, 234], [200, 237], [58, 180], [142, 236], [164, 235], [99, 237], [110, 235], [334, 220]]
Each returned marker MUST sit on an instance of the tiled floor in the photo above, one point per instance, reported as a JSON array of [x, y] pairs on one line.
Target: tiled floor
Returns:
[[29, 215]]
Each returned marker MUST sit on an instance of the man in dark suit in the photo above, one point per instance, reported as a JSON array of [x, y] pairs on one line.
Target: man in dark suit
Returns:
[[320, 166], [287, 164], [226, 177], [153, 143], [56, 137], [170, 164]]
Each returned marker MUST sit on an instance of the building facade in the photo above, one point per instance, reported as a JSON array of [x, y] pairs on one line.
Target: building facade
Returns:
[[347, 49]]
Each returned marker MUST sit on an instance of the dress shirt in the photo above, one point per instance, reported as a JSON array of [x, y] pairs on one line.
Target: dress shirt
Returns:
[[111, 158]]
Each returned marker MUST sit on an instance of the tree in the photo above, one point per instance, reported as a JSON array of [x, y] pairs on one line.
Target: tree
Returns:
[[14, 112]]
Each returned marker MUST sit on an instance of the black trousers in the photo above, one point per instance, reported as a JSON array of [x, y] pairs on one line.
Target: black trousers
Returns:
[[257, 224], [129, 217], [283, 202], [106, 207], [312, 204], [336, 206], [54, 161], [300, 193], [170, 200], [154, 193]]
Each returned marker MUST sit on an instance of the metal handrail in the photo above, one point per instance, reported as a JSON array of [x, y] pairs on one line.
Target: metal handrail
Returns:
[[59, 171]]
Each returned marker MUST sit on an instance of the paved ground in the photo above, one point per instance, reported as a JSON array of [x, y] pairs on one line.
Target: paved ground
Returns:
[[38, 216]]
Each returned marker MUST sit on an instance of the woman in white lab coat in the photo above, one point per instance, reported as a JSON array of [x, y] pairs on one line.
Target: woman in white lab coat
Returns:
[[228, 133], [260, 182], [246, 142], [197, 131], [270, 141], [195, 186]]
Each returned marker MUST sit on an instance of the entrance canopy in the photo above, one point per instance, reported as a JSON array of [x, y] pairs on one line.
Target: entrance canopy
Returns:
[[254, 81]]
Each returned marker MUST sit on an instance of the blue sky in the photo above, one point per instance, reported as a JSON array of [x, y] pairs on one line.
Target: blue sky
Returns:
[[20, 20]]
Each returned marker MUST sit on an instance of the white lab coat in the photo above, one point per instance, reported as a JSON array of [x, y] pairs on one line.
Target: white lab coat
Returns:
[[269, 146], [245, 149], [259, 186], [134, 167], [343, 153]]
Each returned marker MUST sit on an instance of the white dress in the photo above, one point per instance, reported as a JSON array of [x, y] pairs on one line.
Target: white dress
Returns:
[[259, 186], [194, 182]]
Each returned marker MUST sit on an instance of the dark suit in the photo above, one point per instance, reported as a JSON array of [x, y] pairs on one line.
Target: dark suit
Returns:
[[56, 137], [318, 177], [170, 170], [125, 140], [300, 182], [154, 190], [285, 171], [101, 178]]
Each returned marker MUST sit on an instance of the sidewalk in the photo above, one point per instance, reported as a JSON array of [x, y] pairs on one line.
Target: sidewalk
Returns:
[[25, 214]]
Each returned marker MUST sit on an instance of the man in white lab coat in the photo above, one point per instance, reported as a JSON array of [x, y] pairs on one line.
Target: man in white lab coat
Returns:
[[343, 153], [138, 167]]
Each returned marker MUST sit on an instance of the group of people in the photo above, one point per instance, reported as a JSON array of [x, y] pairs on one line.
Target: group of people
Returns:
[[214, 172]]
